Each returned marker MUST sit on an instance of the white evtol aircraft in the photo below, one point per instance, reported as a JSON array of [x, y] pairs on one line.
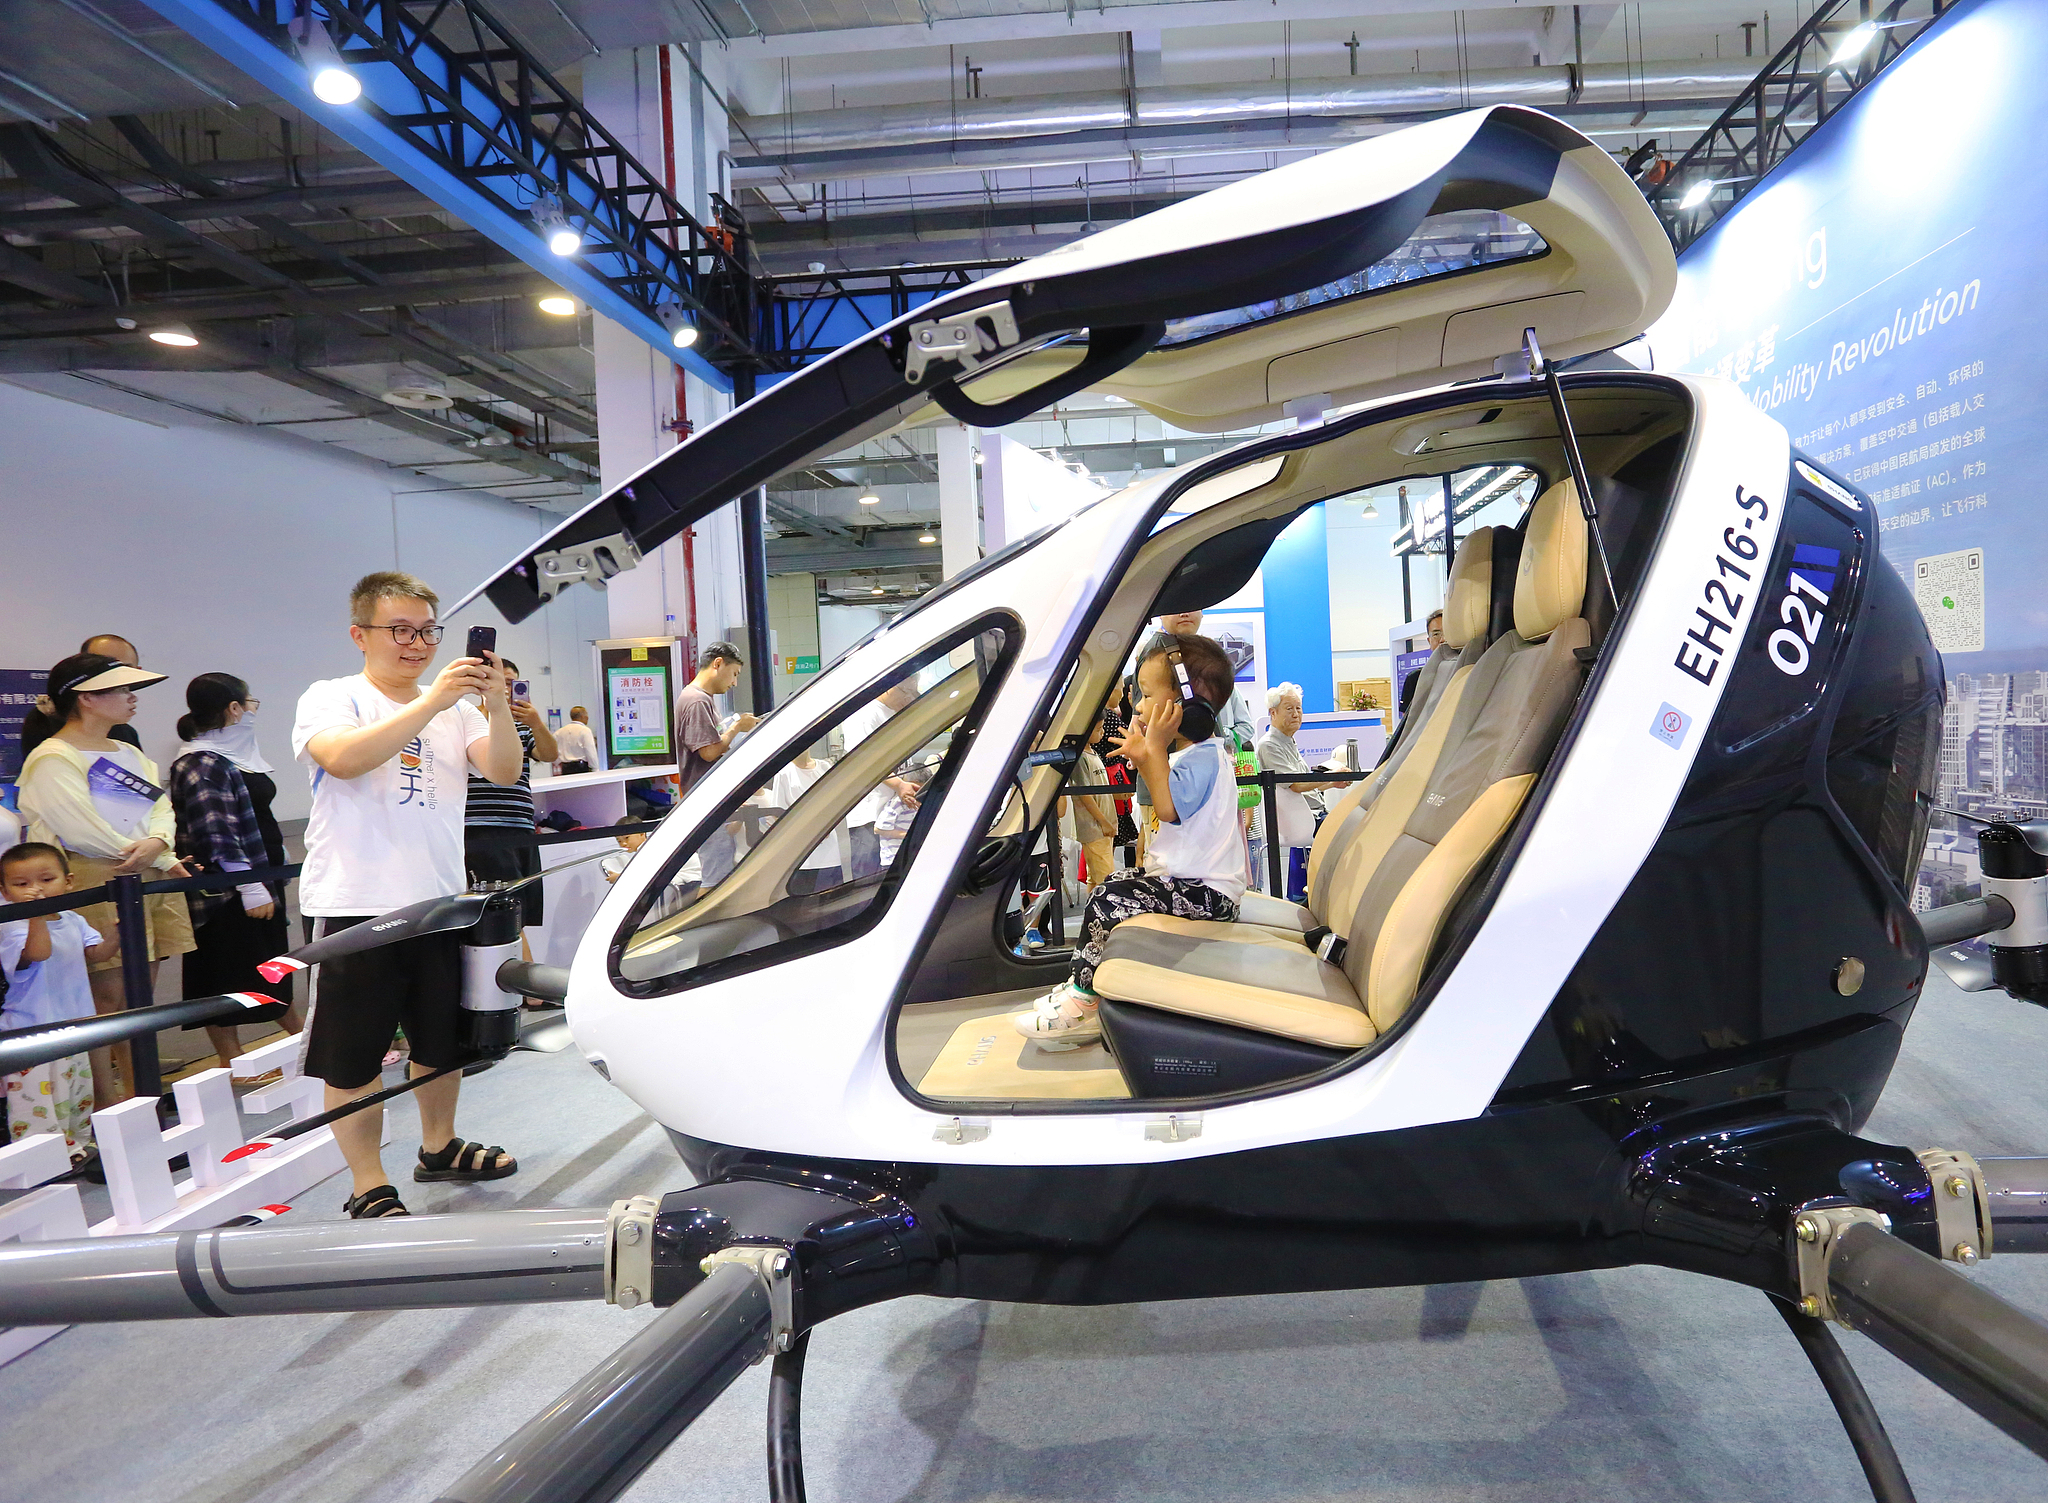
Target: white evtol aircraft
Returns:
[[1607, 962]]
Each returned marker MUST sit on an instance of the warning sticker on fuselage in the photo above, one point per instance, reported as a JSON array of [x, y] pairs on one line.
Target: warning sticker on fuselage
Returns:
[[1950, 590], [1671, 725]]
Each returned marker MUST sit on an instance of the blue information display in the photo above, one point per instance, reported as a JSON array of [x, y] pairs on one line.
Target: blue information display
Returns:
[[1881, 295]]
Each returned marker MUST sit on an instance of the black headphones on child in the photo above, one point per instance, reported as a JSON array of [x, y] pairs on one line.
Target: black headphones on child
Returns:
[[1197, 715]]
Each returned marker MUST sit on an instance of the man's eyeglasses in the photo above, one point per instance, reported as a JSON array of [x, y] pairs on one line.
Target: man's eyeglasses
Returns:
[[405, 636]]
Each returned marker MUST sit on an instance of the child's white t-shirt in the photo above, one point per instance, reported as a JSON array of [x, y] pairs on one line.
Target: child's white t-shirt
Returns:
[[47, 991], [1207, 842], [392, 836]]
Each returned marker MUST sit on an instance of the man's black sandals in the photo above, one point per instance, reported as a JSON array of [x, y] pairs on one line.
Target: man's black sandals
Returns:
[[467, 1162], [381, 1201]]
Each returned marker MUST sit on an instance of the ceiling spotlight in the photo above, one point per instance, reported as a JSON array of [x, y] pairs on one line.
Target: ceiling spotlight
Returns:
[[1853, 43], [1370, 514], [1697, 194], [419, 394], [869, 498], [180, 335], [876, 590], [681, 332], [560, 306], [928, 537], [563, 238], [333, 82], [126, 323]]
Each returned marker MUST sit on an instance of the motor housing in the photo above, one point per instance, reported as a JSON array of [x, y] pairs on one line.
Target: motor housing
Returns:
[[490, 1014], [2016, 869]]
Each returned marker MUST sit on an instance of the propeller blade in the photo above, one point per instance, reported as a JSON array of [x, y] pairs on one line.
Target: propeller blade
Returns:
[[548, 1037], [25, 1048], [347, 1109], [1968, 968], [458, 910], [255, 1218]]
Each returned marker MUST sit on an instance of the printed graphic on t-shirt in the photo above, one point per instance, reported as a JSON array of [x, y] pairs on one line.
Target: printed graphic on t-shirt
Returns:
[[416, 775]]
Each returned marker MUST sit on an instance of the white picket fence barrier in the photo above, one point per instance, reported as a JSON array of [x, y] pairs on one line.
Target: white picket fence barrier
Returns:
[[49, 1214], [137, 1154]]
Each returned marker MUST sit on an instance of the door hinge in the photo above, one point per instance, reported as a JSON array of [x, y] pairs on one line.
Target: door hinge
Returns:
[[960, 337], [1175, 1127], [958, 1130]]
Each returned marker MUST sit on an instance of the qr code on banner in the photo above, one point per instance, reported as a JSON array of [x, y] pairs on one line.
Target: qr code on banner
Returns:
[[1950, 590]]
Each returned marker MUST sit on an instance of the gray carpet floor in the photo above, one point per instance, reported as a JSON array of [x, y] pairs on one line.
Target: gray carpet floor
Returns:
[[1636, 1384]]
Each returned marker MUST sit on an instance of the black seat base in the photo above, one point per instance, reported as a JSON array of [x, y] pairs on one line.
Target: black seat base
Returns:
[[1164, 1055]]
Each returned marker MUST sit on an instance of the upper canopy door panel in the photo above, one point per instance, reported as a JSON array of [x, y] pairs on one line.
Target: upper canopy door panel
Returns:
[[1212, 312], [1508, 220]]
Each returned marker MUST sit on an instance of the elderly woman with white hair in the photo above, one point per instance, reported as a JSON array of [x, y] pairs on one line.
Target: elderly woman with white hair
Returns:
[[1299, 806]]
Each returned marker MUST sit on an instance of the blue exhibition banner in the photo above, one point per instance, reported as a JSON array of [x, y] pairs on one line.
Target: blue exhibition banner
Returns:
[[18, 690], [1879, 294]]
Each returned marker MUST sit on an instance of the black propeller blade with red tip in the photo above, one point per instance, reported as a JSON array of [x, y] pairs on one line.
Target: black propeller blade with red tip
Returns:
[[25, 1048], [442, 915]]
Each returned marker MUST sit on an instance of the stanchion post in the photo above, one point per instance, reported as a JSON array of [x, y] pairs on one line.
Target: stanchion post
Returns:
[[1274, 874], [135, 986]]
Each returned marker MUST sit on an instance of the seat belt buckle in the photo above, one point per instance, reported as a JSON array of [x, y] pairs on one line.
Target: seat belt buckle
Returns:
[[1327, 944]]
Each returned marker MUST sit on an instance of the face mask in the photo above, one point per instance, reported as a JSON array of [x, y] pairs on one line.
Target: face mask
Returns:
[[247, 716], [235, 742]]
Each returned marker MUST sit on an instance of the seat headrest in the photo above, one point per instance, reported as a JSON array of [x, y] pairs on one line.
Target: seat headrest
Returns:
[[1469, 606], [1550, 582]]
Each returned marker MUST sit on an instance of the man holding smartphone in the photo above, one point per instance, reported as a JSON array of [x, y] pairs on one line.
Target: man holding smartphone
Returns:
[[390, 761]]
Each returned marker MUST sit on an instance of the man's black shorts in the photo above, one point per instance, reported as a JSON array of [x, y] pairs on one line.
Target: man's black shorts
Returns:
[[492, 859], [360, 1001]]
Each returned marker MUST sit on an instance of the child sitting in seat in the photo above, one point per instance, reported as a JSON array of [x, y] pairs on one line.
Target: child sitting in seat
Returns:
[[44, 959], [1194, 866]]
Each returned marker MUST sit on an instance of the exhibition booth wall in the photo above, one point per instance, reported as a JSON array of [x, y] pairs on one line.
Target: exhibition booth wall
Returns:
[[1880, 295], [232, 549]]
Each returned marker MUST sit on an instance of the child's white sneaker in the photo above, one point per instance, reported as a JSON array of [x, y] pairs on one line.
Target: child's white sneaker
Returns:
[[1061, 1019]]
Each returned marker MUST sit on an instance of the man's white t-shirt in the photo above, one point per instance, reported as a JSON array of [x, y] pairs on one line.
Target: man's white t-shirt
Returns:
[[394, 835]]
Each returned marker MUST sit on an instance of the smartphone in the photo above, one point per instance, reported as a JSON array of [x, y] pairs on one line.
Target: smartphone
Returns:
[[482, 639], [522, 692]]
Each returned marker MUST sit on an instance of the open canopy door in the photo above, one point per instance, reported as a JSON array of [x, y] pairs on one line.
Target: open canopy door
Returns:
[[1282, 256]]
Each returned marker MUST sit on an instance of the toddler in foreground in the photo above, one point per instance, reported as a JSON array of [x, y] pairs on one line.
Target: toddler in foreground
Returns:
[[44, 960], [1194, 866]]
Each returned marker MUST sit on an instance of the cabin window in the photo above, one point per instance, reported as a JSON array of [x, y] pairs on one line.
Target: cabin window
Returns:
[[1442, 245], [811, 855]]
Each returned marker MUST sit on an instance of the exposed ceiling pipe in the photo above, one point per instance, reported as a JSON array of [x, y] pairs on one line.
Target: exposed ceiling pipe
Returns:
[[796, 136]]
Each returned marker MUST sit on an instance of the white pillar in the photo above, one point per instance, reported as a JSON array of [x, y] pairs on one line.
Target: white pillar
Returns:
[[638, 394], [995, 525], [959, 501]]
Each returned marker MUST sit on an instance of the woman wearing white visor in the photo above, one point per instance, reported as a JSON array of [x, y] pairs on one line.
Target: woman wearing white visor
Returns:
[[103, 802]]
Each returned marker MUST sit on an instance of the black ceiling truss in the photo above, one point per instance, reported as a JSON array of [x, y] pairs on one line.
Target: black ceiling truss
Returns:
[[503, 124], [263, 317], [1799, 89], [807, 315]]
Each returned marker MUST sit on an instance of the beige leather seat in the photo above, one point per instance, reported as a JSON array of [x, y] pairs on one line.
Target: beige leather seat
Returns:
[[1418, 844], [1334, 871]]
